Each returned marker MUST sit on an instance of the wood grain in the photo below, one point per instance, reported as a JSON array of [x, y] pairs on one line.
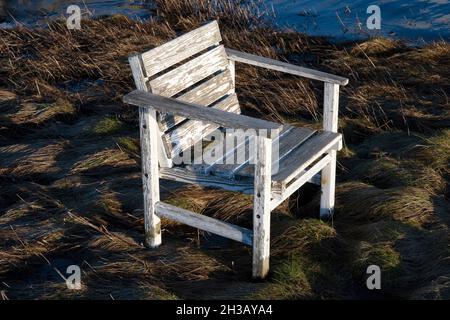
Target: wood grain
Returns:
[[286, 144], [204, 94], [190, 73], [239, 156], [261, 208], [307, 153], [192, 131], [284, 67], [192, 176], [330, 123], [181, 48], [150, 176], [198, 112], [331, 107], [138, 76], [205, 223], [305, 176]]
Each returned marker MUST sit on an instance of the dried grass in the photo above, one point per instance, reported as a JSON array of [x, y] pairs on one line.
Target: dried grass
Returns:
[[301, 235], [387, 172], [103, 161], [70, 184], [29, 113], [360, 202]]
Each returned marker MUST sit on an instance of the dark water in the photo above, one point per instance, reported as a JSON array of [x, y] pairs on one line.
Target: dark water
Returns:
[[410, 20], [37, 12], [420, 20]]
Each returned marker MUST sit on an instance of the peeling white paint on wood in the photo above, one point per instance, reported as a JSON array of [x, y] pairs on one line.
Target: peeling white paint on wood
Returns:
[[181, 48]]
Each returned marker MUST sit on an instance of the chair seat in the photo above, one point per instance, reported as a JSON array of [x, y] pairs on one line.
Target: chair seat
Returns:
[[298, 149]]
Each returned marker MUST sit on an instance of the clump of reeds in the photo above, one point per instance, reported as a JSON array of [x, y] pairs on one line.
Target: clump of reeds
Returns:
[[360, 202]]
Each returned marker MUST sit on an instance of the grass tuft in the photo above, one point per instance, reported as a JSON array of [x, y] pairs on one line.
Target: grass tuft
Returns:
[[108, 126]]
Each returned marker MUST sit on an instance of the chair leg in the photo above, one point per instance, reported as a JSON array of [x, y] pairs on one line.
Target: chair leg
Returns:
[[151, 220], [261, 208], [150, 175], [328, 183]]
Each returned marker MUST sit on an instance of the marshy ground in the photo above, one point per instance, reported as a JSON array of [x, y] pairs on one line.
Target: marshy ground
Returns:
[[70, 184]]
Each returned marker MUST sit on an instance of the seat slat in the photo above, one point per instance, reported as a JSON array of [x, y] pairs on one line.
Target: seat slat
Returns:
[[299, 148], [203, 94], [186, 175], [199, 164], [192, 131], [287, 143], [310, 175], [289, 138], [190, 73], [181, 48], [228, 164], [302, 157]]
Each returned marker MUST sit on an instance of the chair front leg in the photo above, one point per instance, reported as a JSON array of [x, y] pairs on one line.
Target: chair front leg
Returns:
[[261, 206], [150, 175]]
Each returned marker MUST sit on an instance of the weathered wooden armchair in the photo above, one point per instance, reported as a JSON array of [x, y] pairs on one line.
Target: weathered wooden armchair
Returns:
[[185, 92]]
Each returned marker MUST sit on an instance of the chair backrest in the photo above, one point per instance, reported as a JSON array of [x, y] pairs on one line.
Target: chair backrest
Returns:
[[194, 68]]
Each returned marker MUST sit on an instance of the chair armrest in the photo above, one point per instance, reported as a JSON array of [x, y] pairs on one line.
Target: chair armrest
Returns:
[[284, 67], [197, 112]]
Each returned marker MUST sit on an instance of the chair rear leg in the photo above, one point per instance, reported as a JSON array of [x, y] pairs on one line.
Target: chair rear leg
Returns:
[[328, 184]]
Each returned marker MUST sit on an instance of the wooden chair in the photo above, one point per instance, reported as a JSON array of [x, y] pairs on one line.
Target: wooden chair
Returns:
[[186, 91]]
